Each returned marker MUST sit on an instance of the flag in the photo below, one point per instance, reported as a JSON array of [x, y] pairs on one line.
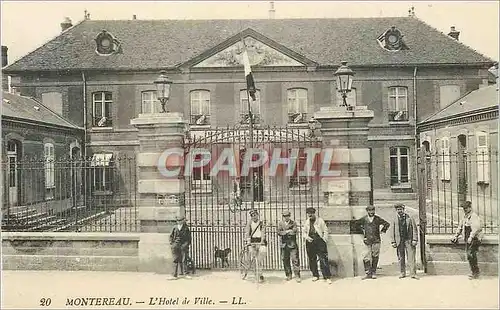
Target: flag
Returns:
[[248, 73]]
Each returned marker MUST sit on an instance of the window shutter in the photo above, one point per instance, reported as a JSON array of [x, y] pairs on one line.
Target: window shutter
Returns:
[[445, 166], [482, 158]]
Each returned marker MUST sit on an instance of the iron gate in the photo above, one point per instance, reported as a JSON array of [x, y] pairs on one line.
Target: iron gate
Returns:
[[217, 205]]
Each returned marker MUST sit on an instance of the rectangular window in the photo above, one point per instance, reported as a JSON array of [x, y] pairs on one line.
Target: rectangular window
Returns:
[[300, 159], [483, 158], [49, 170], [102, 103], [150, 104], [444, 159], [448, 94], [399, 165], [398, 104], [351, 98], [200, 107], [102, 172], [255, 105], [297, 105]]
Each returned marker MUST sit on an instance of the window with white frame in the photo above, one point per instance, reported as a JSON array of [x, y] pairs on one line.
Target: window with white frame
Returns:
[[444, 159], [351, 98], [102, 172], [50, 174], [398, 104], [448, 94], [200, 107], [296, 181], [102, 103], [297, 105], [201, 181], [483, 157], [255, 105], [399, 165], [150, 104]]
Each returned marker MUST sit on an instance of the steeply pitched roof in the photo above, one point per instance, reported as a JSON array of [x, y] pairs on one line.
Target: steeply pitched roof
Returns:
[[153, 44], [480, 99], [27, 108]]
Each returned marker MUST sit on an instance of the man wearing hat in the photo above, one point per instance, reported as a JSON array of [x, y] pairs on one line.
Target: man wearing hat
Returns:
[[316, 235], [256, 237], [370, 225], [404, 237], [470, 227], [287, 229], [180, 240]]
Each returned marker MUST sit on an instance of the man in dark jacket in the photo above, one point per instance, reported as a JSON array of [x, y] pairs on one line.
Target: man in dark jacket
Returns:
[[404, 238], [287, 229], [370, 225], [180, 240]]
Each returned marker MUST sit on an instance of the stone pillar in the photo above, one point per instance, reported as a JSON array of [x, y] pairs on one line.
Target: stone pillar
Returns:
[[161, 198], [346, 195]]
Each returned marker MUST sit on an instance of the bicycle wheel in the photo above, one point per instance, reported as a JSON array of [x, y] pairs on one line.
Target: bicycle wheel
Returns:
[[245, 263]]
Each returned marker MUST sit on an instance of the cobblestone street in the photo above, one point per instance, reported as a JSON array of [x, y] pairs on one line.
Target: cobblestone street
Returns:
[[26, 289]]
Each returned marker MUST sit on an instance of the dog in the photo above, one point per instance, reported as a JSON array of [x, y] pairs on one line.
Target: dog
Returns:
[[189, 265], [222, 255]]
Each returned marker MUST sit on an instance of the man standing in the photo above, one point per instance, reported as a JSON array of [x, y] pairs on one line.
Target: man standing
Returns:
[[256, 237], [287, 229], [180, 240], [370, 224], [316, 235], [470, 227], [404, 237]]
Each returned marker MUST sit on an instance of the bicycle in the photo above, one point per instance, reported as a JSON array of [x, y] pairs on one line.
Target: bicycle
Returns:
[[247, 261]]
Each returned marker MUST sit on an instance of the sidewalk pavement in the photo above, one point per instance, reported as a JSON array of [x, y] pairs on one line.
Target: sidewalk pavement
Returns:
[[225, 289]]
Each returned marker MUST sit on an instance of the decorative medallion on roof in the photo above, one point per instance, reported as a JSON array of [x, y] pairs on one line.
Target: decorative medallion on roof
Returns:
[[107, 44], [259, 54], [392, 40]]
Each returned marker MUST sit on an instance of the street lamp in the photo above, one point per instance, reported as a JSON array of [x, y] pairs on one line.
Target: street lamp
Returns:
[[344, 76], [163, 84]]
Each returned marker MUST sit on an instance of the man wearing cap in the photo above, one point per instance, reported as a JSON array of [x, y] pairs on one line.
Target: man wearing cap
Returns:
[[287, 229], [404, 237], [316, 235], [256, 236], [180, 240], [470, 227], [370, 225]]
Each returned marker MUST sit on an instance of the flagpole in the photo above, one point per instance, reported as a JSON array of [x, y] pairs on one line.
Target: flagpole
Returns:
[[250, 136]]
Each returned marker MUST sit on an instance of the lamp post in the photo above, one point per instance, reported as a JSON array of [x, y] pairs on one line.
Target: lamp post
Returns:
[[344, 76], [163, 84]]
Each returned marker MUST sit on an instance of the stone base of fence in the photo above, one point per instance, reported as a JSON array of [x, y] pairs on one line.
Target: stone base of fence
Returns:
[[345, 255], [445, 258], [70, 251]]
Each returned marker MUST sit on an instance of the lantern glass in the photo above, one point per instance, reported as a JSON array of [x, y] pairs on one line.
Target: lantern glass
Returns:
[[163, 87]]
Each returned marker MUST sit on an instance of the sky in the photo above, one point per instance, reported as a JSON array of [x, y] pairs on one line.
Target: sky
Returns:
[[27, 25]]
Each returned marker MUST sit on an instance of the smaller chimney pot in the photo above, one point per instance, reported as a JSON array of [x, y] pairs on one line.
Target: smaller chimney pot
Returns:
[[134, 17], [66, 24], [454, 33]]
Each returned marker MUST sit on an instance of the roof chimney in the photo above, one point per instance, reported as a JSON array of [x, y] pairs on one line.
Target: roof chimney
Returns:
[[66, 24], [454, 33], [134, 17], [272, 11], [5, 61]]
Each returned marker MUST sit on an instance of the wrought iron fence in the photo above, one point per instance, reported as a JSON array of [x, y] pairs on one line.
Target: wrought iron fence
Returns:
[[95, 194], [448, 179]]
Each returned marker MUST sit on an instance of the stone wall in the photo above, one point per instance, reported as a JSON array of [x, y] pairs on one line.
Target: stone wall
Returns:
[[70, 251]]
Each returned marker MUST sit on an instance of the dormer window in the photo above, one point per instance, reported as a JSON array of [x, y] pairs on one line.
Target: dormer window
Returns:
[[392, 40], [106, 44]]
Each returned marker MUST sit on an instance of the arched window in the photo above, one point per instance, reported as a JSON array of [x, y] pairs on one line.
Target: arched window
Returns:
[[200, 107]]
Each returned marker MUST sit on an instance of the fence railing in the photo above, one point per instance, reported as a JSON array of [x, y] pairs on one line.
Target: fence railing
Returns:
[[449, 179], [84, 194]]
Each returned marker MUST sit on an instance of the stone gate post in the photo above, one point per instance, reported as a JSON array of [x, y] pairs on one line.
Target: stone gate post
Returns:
[[346, 195], [161, 198]]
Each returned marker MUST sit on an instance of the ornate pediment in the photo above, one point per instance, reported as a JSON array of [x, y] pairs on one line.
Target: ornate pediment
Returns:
[[259, 54]]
